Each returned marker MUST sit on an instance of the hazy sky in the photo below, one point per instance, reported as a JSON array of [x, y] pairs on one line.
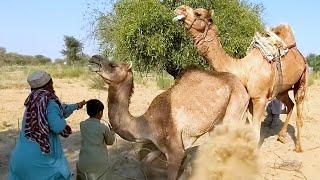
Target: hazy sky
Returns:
[[34, 27]]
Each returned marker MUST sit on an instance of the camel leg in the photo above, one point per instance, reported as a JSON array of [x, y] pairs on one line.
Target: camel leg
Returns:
[[300, 90], [299, 123], [284, 97], [237, 108], [147, 163], [151, 156], [174, 162], [259, 105]]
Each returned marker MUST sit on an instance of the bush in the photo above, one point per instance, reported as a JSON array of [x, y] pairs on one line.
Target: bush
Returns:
[[18, 59], [142, 31], [314, 62]]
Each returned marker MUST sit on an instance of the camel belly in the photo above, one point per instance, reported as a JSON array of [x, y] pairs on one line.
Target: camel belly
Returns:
[[196, 109], [196, 124], [293, 66]]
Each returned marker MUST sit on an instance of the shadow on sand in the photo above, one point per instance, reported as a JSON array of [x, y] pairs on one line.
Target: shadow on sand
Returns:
[[7, 142], [273, 128]]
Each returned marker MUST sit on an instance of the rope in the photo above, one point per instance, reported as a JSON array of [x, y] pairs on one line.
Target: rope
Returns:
[[279, 76]]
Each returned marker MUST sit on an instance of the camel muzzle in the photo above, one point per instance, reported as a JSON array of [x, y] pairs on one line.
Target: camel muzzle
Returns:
[[94, 66], [179, 18]]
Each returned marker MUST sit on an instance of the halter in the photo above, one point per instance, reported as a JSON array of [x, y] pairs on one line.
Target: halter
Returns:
[[203, 35], [292, 45]]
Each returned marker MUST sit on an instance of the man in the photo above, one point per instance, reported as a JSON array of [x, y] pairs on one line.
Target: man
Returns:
[[38, 154]]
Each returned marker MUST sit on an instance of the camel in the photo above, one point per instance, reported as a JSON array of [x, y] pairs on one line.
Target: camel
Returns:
[[256, 74], [197, 102]]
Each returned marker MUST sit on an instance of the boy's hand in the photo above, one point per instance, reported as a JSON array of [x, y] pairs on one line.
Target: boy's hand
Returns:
[[81, 104], [110, 127]]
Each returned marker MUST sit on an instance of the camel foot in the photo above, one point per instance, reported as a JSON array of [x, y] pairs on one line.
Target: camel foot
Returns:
[[298, 149], [282, 139]]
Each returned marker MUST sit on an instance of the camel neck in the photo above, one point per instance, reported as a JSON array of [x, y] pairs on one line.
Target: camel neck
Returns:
[[211, 49], [122, 122]]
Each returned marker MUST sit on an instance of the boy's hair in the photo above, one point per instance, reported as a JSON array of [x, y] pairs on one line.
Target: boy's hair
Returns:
[[94, 106]]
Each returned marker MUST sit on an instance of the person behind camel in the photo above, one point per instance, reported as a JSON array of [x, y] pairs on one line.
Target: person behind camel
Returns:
[[274, 109], [273, 112], [38, 153], [93, 157]]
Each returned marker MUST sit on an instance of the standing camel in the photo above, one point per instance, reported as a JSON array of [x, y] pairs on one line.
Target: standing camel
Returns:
[[176, 117], [256, 74]]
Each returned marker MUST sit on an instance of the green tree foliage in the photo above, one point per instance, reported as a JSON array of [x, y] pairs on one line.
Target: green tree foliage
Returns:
[[314, 61], [42, 59], [2, 50], [2, 55], [18, 59], [142, 31], [73, 49]]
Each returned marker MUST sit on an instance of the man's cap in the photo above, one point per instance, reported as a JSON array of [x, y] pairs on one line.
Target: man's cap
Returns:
[[38, 79]]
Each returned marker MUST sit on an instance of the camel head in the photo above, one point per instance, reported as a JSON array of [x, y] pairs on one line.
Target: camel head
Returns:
[[113, 73], [197, 19]]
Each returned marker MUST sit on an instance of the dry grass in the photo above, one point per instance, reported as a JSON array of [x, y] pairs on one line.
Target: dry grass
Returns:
[[15, 76]]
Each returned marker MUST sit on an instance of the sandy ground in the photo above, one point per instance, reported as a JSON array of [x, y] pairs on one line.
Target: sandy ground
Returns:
[[278, 161]]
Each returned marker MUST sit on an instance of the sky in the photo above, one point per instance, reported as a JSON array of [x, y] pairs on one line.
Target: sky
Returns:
[[33, 27]]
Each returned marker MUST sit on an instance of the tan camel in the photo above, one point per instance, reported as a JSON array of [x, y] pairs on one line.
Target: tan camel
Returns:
[[178, 116], [256, 74]]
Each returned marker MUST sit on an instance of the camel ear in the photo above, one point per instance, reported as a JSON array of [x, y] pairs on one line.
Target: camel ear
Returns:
[[129, 65]]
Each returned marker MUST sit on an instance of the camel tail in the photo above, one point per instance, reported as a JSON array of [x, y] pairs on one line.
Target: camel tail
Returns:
[[230, 153]]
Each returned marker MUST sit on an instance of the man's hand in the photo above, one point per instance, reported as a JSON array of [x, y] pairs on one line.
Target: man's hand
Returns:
[[81, 104]]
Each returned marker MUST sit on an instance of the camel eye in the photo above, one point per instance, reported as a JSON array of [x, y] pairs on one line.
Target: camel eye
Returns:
[[197, 14], [112, 65]]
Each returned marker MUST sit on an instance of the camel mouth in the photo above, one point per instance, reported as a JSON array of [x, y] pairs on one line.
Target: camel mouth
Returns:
[[179, 18], [108, 81], [94, 66]]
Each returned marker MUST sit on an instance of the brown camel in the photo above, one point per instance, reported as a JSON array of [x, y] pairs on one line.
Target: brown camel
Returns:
[[178, 116], [256, 74]]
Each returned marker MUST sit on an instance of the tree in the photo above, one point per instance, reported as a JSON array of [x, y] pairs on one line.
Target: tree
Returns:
[[42, 59], [314, 61], [9, 58], [2, 55], [3, 50], [142, 31], [73, 49]]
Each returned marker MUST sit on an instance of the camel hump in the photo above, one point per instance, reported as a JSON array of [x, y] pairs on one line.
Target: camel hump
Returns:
[[285, 32]]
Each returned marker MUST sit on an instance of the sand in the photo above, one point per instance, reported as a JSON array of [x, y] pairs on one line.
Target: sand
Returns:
[[279, 161]]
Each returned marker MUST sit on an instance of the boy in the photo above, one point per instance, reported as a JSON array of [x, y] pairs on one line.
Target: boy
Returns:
[[92, 164]]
